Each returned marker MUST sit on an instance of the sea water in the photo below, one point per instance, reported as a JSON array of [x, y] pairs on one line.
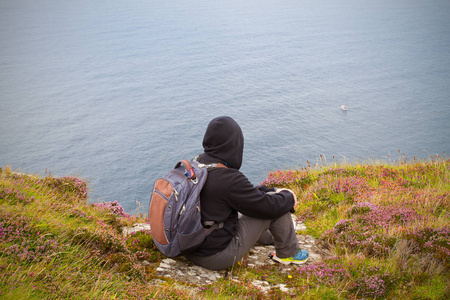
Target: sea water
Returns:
[[116, 92]]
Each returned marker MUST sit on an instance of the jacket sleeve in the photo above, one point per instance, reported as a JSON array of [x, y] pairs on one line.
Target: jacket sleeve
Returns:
[[253, 202]]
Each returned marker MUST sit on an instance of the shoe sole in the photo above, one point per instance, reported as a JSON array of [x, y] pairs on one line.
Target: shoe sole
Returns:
[[297, 262]]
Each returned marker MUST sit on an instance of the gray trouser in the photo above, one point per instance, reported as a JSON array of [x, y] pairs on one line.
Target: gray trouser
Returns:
[[250, 231]]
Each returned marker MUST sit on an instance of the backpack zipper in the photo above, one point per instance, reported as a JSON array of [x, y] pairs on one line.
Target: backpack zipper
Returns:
[[183, 208]]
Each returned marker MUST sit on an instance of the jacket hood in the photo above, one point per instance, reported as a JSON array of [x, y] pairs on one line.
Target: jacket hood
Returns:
[[224, 141]]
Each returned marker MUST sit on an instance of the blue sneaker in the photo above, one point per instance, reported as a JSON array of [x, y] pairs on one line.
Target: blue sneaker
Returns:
[[300, 258]]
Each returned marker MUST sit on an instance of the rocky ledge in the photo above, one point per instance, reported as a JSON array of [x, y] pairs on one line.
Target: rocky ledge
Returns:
[[181, 270]]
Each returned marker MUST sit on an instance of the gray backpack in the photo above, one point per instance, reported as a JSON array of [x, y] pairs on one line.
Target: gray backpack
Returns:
[[175, 213]]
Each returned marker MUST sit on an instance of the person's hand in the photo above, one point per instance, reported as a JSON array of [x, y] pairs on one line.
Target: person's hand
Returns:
[[291, 191]]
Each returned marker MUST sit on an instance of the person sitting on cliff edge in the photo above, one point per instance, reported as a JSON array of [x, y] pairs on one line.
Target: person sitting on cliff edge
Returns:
[[249, 214]]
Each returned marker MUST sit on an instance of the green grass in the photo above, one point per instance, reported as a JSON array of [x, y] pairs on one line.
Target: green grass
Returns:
[[384, 226]]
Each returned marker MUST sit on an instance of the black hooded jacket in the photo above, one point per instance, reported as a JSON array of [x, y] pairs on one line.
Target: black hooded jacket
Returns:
[[227, 191]]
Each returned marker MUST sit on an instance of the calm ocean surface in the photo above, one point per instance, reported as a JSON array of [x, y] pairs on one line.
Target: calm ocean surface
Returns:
[[116, 92]]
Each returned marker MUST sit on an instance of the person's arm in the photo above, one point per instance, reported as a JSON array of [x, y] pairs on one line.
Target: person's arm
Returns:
[[290, 191], [253, 202]]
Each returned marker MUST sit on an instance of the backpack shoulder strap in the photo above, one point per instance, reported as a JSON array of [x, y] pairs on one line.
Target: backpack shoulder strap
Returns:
[[221, 165], [189, 171], [209, 167], [210, 226]]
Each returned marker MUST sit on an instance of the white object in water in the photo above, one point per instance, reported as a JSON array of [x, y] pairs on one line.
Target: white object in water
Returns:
[[344, 106]]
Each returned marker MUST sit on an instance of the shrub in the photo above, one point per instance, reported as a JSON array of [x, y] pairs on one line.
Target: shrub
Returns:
[[323, 273], [435, 241], [141, 243], [372, 283], [13, 196], [72, 187], [19, 239], [368, 228], [114, 207]]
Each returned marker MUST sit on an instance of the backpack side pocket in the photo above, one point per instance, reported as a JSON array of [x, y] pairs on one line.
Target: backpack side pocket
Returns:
[[158, 204]]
